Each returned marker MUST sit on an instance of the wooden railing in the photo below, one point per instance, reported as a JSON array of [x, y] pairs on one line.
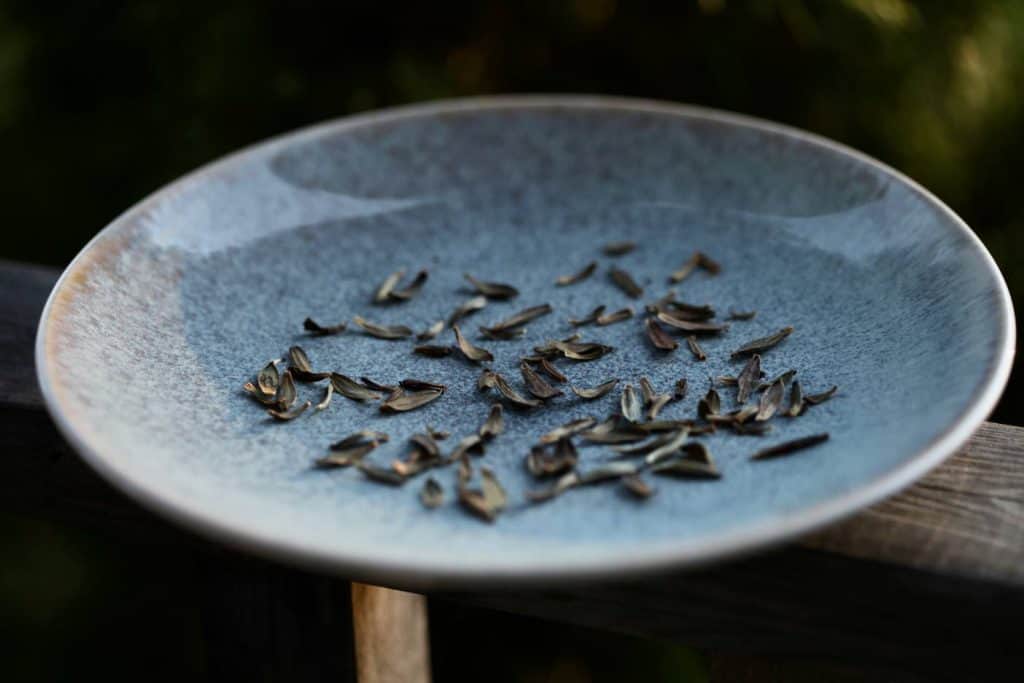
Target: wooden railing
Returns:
[[928, 585]]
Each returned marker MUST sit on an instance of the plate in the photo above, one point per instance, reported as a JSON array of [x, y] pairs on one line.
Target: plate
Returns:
[[152, 330]]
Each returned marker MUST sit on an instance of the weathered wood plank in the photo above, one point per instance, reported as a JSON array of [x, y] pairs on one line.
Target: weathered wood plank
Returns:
[[937, 568], [966, 517], [800, 603], [392, 637]]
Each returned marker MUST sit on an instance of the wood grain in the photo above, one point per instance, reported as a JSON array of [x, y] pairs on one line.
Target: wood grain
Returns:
[[392, 641], [966, 517]]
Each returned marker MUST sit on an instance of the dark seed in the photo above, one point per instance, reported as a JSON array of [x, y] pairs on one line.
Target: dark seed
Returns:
[[687, 469], [597, 392], [744, 413], [286, 392], [562, 458], [815, 399], [301, 369], [680, 391], [511, 395], [437, 434], [492, 290], [326, 400], [636, 485], [265, 399], [698, 260], [568, 429], [289, 414], [655, 426], [671, 443], [741, 315], [564, 483], [695, 349], [551, 371], [420, 385], [432, 350], [431, 495], [474, 443], [536, 385], [383, 331], [588, 318], [363, 437], [349, 388], [486, 380], [411, 290], [376, 386], [652, 443], [659, 337], [681, 309], [608, 471], [472, 500], [626, 283], [345, 457], [472, 353], [770, 401], [401, 401], [269, 379], [425, 454], [587, 271], [494, 424], [503, 335], [783, 377], [381, 474], [518, 320], [426, 444], [710, 405], [763, 343], [494, 494], [749, 378], [468, 307], [616, 317], [488, 501], [691, 326], [788, 447], [653, 401], [630, 405], [614, 431], [618, 248], [582, 350], [695, 463], [431, 331], [313, 327], [796, 400], [751, 429], [384, 291]]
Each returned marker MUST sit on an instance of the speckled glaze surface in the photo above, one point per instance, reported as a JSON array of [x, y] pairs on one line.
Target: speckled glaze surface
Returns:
[[153, 329]]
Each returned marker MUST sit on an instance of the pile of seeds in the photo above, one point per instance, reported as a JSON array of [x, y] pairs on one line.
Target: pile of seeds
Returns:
[[640, 443]]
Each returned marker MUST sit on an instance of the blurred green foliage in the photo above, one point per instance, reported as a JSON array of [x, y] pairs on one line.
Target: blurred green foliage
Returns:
[[103, 102]]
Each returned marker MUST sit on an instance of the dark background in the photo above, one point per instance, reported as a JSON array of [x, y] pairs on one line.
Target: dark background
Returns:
[[103, 102]]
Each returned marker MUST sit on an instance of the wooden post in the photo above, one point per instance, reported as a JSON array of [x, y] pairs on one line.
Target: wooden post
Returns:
[[391, 634]]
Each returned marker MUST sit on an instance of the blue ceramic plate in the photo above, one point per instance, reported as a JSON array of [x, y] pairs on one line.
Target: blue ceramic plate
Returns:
[[149, 335]]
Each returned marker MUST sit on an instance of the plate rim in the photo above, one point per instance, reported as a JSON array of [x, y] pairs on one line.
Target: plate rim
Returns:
[[665, 556]]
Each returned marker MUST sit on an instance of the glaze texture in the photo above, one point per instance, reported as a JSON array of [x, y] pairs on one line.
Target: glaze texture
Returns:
[[153, 330]]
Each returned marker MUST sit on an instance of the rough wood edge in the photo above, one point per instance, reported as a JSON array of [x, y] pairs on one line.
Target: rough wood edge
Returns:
[[391, 634]]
